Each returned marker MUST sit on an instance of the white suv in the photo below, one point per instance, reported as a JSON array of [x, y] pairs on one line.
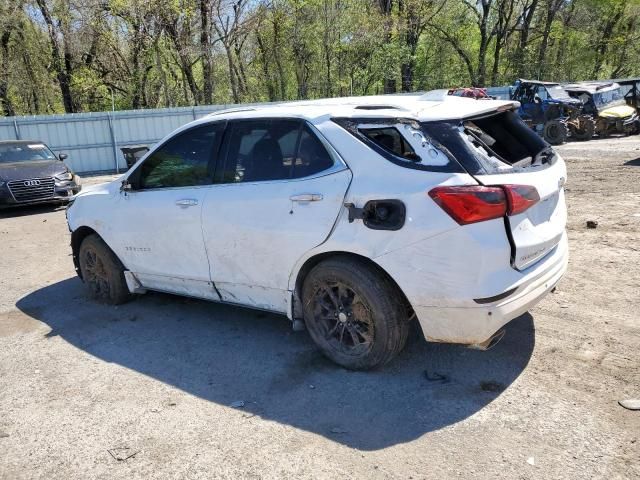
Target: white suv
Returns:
[[353, 216]]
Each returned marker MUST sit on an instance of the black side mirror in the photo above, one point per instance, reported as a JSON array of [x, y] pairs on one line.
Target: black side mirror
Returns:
[[62, 156], [125, 186]]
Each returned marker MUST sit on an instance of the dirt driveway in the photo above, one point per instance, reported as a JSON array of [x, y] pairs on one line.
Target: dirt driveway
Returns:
[[146, 390]]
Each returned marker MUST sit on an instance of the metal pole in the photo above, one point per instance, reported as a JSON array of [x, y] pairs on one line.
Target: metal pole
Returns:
[[113, 142], [17, 130]]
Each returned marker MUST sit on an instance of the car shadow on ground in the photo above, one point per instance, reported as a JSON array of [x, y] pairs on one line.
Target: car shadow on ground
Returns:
[[226, 354], [23, 211], [633, 163]]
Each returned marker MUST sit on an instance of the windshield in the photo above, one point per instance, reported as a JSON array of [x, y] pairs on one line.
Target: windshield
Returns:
[[24, 152], [608, 98], [558, 93]]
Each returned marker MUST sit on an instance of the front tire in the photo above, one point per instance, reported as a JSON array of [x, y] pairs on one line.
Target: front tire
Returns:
[[555, 132], [102, 271], [354, 313]]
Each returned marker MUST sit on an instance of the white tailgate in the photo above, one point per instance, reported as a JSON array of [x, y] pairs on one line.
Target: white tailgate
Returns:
[[536, 231]]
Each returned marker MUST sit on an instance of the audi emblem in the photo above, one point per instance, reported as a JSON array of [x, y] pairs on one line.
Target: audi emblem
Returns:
[[32, 183]]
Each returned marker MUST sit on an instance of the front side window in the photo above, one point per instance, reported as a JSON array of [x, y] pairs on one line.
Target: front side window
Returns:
[[184, 161], [272, 149]]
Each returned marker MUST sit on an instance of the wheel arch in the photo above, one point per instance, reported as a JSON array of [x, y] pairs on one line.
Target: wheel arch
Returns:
[[314, 260]]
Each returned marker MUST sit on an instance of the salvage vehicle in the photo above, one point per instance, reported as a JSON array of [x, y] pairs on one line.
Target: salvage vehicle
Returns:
[[30, 173], [630, 87], [548, 109], [606, 102], [351, 216]]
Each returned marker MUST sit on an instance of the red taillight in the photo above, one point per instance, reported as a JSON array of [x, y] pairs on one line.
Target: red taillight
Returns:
[[520, 198], [471, 204]]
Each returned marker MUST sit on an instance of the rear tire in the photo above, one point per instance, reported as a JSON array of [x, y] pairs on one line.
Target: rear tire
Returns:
[[354, 313], [555, 132], [102, 272]]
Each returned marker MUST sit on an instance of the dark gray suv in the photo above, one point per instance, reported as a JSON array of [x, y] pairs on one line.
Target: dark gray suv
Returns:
[[31, 173]]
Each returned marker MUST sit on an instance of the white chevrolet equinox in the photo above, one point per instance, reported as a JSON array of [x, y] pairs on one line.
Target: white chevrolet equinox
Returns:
[[354, 216]]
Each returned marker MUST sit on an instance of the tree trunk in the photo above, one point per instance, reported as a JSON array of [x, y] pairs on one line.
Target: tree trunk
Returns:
[[527, 18], [271, 92], [552, 9], [276, 55], [63, 75], [232, 75], [7, 106], [411, 38], [240, 71], [207, 67], [607, 33], [386, 8], [185, 63], [485, 37], [564, 39]]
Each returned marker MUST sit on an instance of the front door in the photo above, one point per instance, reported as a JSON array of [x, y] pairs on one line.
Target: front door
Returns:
[[277, 196], [157, 224]]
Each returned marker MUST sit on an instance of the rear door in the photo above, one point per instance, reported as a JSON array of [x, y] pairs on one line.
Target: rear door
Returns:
[[278, 195]]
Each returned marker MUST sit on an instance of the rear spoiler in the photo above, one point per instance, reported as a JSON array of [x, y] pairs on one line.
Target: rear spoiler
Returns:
[[484, 106]]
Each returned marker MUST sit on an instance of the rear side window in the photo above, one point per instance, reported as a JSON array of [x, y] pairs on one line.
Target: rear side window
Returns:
[[312, 156], [271, 149]]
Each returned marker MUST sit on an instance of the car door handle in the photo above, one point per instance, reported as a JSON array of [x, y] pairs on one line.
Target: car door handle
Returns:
[[187, 202], [306, 197]]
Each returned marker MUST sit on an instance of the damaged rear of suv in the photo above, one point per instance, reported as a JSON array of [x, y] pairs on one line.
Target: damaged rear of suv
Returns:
[[350, 216]]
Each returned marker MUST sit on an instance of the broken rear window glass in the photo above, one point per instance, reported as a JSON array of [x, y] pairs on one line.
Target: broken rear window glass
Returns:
[[405, 141], [502, 138], [392, 141]]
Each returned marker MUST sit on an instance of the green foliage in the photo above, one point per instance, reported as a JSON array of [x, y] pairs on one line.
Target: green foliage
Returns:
[[157, 53]]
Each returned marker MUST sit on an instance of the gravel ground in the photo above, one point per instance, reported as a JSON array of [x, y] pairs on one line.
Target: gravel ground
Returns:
[[146, 390]]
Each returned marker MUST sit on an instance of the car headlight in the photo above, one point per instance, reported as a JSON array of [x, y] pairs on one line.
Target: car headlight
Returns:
[[64, 176]]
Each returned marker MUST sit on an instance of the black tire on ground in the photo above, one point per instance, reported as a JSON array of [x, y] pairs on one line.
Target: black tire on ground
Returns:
[[586, 131], [356, 316], [604, 133], [102, 271], [555, 132]]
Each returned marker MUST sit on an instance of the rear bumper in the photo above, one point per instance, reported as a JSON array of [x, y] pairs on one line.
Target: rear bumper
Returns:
[[463, 320]]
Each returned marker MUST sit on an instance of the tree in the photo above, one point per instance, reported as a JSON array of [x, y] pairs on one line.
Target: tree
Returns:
[[68, 56]]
